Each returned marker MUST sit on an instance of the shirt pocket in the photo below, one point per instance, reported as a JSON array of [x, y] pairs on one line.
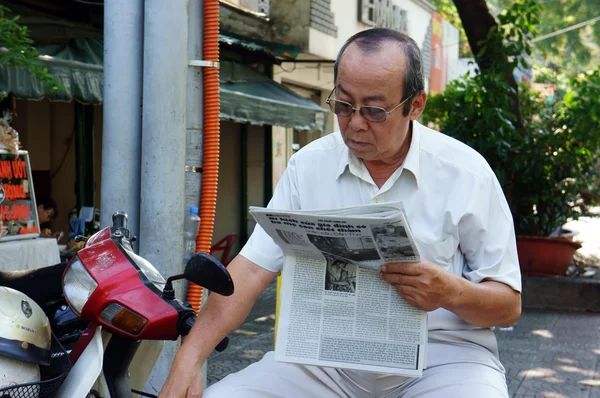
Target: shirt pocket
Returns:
[[440, 251]]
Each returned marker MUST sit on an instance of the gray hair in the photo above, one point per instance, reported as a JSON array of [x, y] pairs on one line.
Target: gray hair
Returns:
[[370, 40]]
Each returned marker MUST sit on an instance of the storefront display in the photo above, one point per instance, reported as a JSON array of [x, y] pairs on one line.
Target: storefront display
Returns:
[[18, 210]]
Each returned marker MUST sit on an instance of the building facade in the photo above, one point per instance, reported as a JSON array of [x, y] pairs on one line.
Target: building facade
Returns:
[[321, 29], [282, 46]]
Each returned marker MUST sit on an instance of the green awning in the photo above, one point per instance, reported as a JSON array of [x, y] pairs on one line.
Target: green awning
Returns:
[[276, 51], [249, 97], [78, 66], [246, 95]]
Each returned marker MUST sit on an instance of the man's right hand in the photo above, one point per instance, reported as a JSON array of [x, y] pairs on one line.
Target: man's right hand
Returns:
[[183, 381], [219, 316]]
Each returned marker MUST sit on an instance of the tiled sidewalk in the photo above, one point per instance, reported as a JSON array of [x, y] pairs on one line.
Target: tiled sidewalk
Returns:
[[552, 355]]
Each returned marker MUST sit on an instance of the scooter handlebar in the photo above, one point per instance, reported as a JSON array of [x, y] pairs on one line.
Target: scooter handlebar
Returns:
[[187, 325], [119, 219]]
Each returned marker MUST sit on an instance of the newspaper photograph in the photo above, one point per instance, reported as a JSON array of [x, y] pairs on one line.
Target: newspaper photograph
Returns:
[[334, 309]]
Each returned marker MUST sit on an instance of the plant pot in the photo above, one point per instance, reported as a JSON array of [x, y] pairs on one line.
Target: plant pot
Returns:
[[545, 256]]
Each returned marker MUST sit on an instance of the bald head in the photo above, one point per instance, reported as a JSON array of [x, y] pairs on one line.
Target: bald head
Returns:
[[373, 41]]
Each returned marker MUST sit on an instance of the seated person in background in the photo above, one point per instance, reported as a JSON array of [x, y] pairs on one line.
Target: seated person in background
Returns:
[[47, 211]]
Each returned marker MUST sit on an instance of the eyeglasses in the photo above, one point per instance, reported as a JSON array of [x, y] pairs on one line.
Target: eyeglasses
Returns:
[[375, 114]]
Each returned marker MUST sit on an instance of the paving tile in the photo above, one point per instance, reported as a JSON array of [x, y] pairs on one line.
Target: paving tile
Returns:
[[549, 357], [595, 391]]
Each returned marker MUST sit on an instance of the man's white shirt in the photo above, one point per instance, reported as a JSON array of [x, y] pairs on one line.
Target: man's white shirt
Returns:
[[455, 206]]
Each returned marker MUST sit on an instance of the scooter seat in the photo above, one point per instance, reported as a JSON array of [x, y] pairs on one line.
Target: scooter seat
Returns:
[[41, 285]]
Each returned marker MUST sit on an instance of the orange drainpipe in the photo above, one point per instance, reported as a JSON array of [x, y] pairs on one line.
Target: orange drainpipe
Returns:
[[210, 173]]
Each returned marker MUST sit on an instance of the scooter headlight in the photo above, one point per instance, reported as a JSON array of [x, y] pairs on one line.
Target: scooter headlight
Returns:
[[78, 285], [148, 270]]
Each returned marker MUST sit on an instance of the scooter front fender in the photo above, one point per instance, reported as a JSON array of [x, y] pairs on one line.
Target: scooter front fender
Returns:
[[86, 370]]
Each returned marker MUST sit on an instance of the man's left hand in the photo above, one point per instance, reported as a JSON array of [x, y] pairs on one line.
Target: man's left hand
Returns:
[[425, 285]]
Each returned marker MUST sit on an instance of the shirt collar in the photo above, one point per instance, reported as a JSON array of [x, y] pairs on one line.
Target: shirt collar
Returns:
[[345, 158], [411, 163]]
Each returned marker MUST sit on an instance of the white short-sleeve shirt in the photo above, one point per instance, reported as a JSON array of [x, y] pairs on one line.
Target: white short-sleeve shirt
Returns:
[[454, 203]]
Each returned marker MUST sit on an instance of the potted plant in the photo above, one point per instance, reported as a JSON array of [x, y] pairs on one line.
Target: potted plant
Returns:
[[556, 166], [544, 164]]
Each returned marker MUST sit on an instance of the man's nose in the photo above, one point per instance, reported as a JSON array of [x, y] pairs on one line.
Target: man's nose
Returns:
[[357, 121]]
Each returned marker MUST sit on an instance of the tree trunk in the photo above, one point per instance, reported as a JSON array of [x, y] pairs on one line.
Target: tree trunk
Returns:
[[477, 22]]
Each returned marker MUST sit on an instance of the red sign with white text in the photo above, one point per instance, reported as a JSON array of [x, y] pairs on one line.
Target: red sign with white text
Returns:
[[18, 215]]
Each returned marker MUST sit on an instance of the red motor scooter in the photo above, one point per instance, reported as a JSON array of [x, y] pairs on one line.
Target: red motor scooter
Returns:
[[121, 293]]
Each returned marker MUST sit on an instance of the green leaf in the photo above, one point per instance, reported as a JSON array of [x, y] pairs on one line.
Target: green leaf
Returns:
[[20, 51]]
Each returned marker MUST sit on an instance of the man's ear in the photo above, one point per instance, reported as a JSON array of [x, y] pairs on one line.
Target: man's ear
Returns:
[[418, 105]]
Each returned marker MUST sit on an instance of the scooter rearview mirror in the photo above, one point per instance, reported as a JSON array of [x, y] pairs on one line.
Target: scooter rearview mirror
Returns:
[[206, 271]]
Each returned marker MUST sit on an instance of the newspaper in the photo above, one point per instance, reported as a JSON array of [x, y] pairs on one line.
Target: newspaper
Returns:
[[334, 309]]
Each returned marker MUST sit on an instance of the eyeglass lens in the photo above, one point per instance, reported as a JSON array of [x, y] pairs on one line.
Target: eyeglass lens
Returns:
[[371, 113]]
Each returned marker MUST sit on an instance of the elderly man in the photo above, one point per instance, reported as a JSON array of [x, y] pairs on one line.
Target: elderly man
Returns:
[[468, 280]]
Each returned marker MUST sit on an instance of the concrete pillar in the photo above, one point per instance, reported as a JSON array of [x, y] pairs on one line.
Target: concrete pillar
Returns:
[[163, 147], [194, 117], [122, 116], [195, 114]]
